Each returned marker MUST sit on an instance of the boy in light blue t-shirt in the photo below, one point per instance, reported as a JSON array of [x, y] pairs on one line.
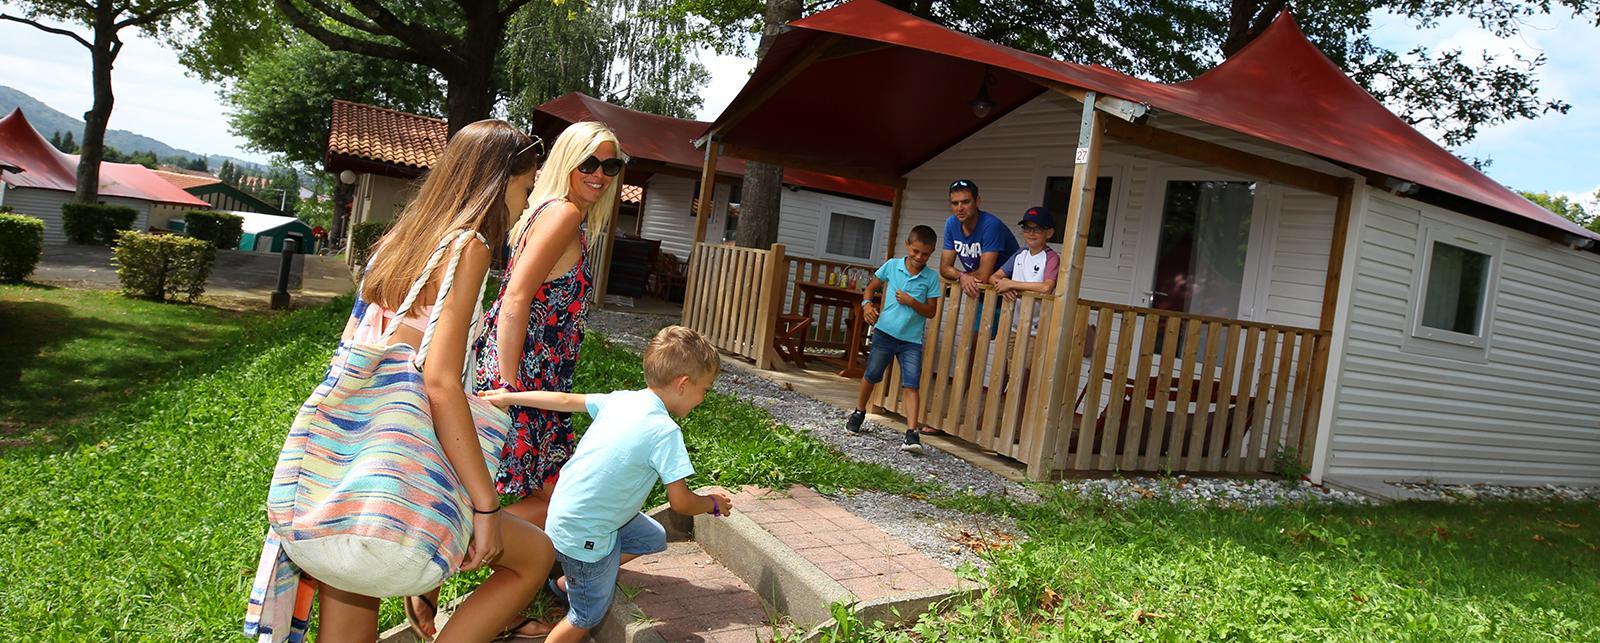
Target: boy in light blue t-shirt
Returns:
[[910, 296], [594, 519]]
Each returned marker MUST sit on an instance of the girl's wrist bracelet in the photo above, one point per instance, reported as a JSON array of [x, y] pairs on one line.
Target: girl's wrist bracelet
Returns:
[[486, 513]]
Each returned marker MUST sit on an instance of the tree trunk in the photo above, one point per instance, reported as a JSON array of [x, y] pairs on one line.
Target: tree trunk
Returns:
[[470, 86], [763, 182], [93, 148]]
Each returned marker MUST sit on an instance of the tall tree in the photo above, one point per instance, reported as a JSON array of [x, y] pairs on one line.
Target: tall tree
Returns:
[[634, 53], [762, 191], [280, 102], [1567, 207], [461, 40], [105, 20]]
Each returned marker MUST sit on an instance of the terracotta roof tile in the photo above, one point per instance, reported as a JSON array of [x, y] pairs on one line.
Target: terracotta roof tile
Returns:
[[632, 193], [386, 135]]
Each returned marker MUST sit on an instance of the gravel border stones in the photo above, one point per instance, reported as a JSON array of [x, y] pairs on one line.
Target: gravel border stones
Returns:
[[1227, 492]]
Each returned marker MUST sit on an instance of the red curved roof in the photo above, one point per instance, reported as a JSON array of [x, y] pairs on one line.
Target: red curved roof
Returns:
[[887, 110], [671, 141], [45, 167]]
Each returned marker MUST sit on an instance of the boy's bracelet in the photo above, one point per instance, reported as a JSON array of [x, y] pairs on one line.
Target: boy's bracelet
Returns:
[[715, 510]]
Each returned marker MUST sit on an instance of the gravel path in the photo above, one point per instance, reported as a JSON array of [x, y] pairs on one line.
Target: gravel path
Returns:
[[1228, 492]]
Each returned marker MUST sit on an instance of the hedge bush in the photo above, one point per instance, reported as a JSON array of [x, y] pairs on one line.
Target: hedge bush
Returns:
[[364, 236], [21, 244], [221, 228], [161, 266], [96, 224]]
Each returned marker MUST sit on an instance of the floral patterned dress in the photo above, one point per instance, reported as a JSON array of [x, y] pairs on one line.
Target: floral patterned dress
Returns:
[[541, 441]]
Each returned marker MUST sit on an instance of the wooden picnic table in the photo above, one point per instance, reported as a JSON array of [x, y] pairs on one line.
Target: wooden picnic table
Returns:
[[821, 294]]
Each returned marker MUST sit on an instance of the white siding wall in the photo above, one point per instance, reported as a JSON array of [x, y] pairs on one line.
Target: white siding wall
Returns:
[[668, 213], [1010, 159], [46, 204], [1526, 416], [380, 198], [804, 217]]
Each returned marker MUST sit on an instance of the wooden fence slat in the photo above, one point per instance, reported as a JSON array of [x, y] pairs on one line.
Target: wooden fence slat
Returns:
[[1280, 410], [1019, 341], [1119, 379], [987, 300], [1187, 377], [1230, 379], [1034, 436], [960, 366], [1302, 388], [988, 410], [1089, 436], [1244, 410], [1060, 444], [1257, 433], [944, 369], [1131, 432], [1159, 421]]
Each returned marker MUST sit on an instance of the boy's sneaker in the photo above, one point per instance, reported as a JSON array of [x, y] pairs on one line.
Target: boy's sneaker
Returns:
[[913, 442], [853, 424]]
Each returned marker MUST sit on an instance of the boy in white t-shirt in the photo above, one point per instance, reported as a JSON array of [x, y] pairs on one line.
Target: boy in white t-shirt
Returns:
[[1034, 267]]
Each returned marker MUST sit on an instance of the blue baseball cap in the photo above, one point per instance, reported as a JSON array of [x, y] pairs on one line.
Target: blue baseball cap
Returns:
[[1038, 216]]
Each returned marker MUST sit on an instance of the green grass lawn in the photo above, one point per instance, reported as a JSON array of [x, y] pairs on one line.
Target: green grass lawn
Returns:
[[72, 353], [143, 522]]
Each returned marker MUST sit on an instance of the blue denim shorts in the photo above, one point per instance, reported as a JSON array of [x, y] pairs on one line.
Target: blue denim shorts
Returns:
[[886, 347], [590, 586]]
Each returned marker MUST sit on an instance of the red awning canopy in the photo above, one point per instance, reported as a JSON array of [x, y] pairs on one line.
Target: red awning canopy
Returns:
[[670, 141], [896, 96], [45, 167]]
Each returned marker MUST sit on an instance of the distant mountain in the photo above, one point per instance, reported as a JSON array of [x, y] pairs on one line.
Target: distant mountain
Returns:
[[49, 120]]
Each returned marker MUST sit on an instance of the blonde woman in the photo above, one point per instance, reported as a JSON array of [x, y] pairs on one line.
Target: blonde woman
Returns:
[[535, 328], [483, 176]]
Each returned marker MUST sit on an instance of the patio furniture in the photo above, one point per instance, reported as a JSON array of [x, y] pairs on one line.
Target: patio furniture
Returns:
[[818, 294], [668, 277], [790, 338]]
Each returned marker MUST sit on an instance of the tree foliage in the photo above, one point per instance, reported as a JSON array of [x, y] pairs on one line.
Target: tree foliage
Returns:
[[1568, 207]]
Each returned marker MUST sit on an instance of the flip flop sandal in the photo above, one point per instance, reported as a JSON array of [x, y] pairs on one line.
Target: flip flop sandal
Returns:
[[928, 430], [414, 619], [513, 633]]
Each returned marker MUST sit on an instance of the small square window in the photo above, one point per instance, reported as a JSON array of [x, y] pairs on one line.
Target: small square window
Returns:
[[1058, 195], [1458, 284], [850, 236]]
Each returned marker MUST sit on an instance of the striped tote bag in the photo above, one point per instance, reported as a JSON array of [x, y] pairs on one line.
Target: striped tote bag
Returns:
[[363, 498]]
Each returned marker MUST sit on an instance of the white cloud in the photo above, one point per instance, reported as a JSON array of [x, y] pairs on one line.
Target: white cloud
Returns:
[[153, 95]]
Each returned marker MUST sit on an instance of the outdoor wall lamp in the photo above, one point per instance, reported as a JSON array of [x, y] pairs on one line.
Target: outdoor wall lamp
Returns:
[[980, 104], [347, 177]]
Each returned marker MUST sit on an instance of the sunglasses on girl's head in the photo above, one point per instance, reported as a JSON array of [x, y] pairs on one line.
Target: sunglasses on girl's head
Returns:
[[611, 166], [537, 143]]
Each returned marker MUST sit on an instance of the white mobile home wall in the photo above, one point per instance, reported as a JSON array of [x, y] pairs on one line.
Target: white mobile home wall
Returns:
[[46, 204], [805, 216], [668, 214], [1010, 159], [1528, 413]]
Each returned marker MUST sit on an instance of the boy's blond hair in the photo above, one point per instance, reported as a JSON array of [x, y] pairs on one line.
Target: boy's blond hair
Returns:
[[676, 352]]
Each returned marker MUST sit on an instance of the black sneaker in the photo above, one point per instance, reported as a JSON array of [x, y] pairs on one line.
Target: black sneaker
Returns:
[[853, 424], [913, 442]]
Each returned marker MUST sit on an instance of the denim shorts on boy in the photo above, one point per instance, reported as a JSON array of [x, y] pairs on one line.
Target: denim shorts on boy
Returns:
[[886, 347], [590, 586]]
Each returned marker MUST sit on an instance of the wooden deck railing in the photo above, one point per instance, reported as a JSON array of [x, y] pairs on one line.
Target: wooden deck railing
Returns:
[[1173, 391], [1168, 391], [733, 298], [830, 325]]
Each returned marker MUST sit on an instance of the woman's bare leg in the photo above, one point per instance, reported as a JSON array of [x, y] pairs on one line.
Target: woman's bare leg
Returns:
[[518, 575], [344, 617], [535, 507]]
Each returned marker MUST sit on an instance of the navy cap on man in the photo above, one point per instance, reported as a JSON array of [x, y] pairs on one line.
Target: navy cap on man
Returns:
[[1038, 216]]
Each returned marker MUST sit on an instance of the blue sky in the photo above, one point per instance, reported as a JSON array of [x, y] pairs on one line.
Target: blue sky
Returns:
[[1556, 152]]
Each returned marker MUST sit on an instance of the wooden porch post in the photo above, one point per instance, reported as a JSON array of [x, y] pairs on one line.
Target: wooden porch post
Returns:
[[708, 188], [894, 221], [607, 243], [1311, 425], [1063, 341], [775, 278]]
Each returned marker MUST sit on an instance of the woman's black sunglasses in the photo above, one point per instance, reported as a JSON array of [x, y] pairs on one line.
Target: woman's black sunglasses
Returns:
[[611, 166]]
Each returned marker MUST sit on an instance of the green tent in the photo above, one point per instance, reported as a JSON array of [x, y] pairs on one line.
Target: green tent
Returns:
[[266, 233]]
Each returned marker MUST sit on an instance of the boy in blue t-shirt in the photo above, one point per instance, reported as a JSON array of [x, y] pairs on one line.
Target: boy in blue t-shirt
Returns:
[[594, 519], [910, 297]]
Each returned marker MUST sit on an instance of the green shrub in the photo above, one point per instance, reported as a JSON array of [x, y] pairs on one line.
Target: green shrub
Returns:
[[221, 228], [160, 266], [21, 244], [96, 224], [364, 236]]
